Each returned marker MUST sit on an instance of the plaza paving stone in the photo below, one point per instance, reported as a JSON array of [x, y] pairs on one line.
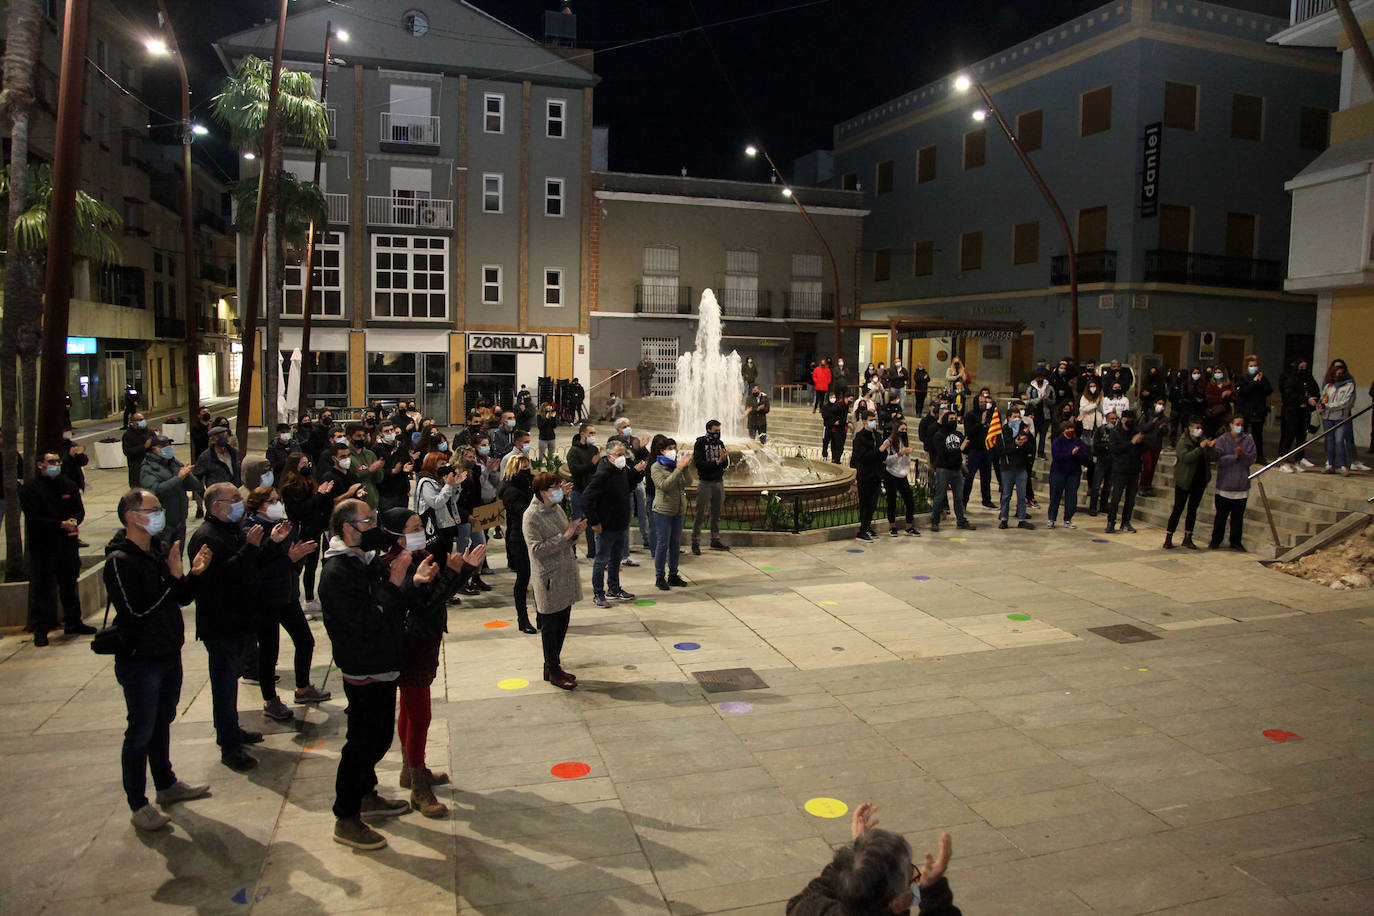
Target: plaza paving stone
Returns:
[[1076, 774]]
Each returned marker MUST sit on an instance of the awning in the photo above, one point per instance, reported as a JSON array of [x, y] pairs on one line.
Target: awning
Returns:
[[926, 328]]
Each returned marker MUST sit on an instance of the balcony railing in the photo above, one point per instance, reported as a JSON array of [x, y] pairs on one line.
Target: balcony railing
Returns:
[[819, 306], [745, 303], [410, 212], [338, 207], [1093, 267], [1303, 10], [1194, 268], [663, 300], [410, 130], [214, 274], [164, 326]]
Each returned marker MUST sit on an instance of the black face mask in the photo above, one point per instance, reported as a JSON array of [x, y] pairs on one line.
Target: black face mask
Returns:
[[359, 443], [713, 435], [377, 539], [306, 470], [949, 424]]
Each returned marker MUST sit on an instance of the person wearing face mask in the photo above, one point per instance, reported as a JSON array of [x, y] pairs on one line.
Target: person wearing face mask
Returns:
[[877, 873], [147, 590], [1252, 401], [1193, 395], [426, 622], [438, 502], [1039, 403], [947, 456], [1220, 395], [1127, 443], [1100, 483], [670, 476], [641, 498], [1117, 374], [170, 481], [1191, 474], [1015, 450], [53, 513], [749, 371], [1068, 456], [606, 502], [583, 456], [711, 459], [74, 459], [756, 407], [897, 467], [820, 381], [393, 490], [1116, 402], [368, 468], [979, 467], [920, 386], [338, 472], [835, 422], [279, 563], [925, 429], [308, 504], [321, 438], [898, 377], [227, 609], [547, 422], [365, 608], [200, 431], [1299, 393], [1152, 387], [549, 536], [1235, 453], [1154, 426], [1337, 403], [278, 447], [134, 443], [515, 495], [503, 436], [477, 490], [839, 379], [867, 457], [220, 462]]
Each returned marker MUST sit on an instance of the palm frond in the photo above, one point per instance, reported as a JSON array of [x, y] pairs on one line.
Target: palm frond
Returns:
[[95, 220], [242, 106]]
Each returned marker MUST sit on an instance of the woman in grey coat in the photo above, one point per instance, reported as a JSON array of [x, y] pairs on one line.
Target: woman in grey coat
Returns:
[[553, 570]]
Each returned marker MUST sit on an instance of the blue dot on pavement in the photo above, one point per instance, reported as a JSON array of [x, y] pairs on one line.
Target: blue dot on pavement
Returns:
[[1101, 541], [686, 646], [854, 550]]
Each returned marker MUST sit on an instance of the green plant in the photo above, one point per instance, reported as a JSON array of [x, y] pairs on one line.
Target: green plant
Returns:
[[551, 463], [779, 515], [920, 496]]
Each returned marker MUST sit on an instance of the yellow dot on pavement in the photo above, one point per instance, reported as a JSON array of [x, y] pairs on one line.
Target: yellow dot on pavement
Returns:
[[513, 683], [960, 540], [827, 807], [829, 602]]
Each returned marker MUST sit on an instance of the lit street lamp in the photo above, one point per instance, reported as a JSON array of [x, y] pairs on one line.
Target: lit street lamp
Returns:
[[963, 82]]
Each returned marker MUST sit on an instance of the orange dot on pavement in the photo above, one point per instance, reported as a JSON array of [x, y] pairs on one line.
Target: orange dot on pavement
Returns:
[[496, 624], [570, 770]]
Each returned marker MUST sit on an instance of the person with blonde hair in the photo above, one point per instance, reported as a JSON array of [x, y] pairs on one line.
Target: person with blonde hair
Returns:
[[515, 495]]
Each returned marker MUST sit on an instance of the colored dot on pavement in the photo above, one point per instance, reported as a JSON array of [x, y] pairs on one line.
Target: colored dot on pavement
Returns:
[[314, 747], [830, 602], [1101, 541], [513, 683], [1142, 669], [960, 540], [570, 770], [686, 646], [854, 550], [1279, 735], [1018, 617], [826, 807], [768, 568], [496, 624], [645, 602], [921, 578], [736, 707], [837, 648]]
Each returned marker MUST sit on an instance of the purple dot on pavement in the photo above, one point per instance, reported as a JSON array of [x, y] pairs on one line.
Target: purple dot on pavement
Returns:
[[1101, 541], [854, 550], [736, 708], [686, 646], [921, 578]]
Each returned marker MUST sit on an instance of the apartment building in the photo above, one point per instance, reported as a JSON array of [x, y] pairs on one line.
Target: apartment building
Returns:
[[457, 181]]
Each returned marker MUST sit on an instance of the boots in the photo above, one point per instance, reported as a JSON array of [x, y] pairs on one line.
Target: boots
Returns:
[[1188, 540], [523, 618], [422, 794], [1168, 540], [408, 773]]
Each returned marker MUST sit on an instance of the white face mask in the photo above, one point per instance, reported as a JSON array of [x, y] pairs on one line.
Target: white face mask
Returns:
[[619, 462], [415, 540], [389, 438], [832, 400], [1195, 433], [1159, 408], [670, 454], [1196, 376], [626, 431], [589, 440], [1237, 430], [275, 511], [872, 424]]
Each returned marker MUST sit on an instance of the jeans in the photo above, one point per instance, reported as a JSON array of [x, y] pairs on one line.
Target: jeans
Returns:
[[226, 664], [52, 566], [1127, 485], [639, 508], [547, 447], [710, 494], [1336, 455], [576, 514], [979, 465], [944, 479], [290, 617], [152, 689], [1192, 498], [1234, 509], [1013, 479], [899, 486], [610, 547], [371, 723], [1064, 487], [1100, 488], [667, 542]]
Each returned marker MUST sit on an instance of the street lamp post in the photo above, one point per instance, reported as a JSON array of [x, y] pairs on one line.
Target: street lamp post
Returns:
[[192, 362], [963, 83], [308, 282], [756, 149]]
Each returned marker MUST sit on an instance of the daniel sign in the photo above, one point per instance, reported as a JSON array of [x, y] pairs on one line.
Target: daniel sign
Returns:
[[506, 343]]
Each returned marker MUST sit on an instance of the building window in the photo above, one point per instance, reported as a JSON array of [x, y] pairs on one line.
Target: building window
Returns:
[[1175, 227], [1180, 105], [494, 113], [491, 192], [925, 164], [849, 181], [553, 286], [1095, 111], [557, 108], [1247, 116], [975, 148], [1313, 128], [1030, 129], [157, 262], [326, 290], [409, 276], [884, 177], [806, 299], [390, 375], [171, 265], [328, 378], [491, 284], [158, 298], [971, 251], [1092, 229], [1241, 234], [740, 293], [882, 265], [924, 259], [1025, 243], [553, 197], [659, 279], [171, 299]]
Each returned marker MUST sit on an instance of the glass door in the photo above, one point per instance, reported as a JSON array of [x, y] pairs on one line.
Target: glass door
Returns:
[[435, 388]]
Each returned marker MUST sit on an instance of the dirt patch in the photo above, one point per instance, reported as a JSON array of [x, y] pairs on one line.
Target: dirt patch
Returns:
[[1349, 564]]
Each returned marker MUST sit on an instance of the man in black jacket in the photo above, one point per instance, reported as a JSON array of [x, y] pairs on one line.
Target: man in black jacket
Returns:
[[870, 451], [220, 462], [364, 612], [336, 466], [393, 449], [1015, 452], [606, 503], [226, 615], [134, 443], [1127, 444], [582, 458], [947, 458], [897, 378], [979, 461], [1101, 485], [145, 583], [53, 514], [835, 417], [710, 458], [756, 407], [282, 444]]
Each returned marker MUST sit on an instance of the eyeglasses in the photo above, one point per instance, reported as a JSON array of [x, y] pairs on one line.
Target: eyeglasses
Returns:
[[228, 499]]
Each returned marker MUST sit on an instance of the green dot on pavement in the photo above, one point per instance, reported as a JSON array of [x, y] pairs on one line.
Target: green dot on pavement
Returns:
[[645, 602], [1018, 617]]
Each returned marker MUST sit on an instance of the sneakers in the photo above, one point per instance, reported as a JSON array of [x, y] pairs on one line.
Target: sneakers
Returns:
[[1288, 468], [351, 831], [696, 549], [966, 526], [661, 584], [1029, 526], [149, 819], [1070, 525], [180, 791], [935, 527], [629, 562], [600, 601], [1111, 528], [621, 594], [893, 533], [252, 679], [1033, 504], [717, 544], [277, 711], [988, 505], [238, 760], [865, 536], [1053, 525], [911, 531], [374, 806], [1002, 523], [677, 581], [80, 629], [1305, 464], [1345, 472], [1358, 466], [1128, 528], [311, 694]]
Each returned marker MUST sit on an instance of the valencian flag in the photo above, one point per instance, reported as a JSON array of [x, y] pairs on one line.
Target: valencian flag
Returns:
[[994, 429]]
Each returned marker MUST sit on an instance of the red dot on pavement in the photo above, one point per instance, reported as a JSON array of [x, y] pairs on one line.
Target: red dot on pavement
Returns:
[[1278, 734], [570, 770]]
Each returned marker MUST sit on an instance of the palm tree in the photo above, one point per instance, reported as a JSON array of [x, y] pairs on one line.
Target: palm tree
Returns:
[[242, 107], [26, 263]]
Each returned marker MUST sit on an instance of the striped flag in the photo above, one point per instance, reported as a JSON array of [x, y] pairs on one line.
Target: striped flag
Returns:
[[994, 429]]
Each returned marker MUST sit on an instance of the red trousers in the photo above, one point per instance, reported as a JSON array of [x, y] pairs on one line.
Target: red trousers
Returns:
[[412, 723], [1148, 460]]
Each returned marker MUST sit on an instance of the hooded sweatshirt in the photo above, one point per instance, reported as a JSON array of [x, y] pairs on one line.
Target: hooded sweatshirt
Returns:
[[147, 599]]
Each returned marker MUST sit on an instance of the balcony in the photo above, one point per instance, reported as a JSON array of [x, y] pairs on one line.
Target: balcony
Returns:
[[1303, 10], [338, 207], [1093, 267], [1194, 268], [745, 303], [410, 212], [410, 133], [813, 306], [213, 274], [657, 299], [165, 326]]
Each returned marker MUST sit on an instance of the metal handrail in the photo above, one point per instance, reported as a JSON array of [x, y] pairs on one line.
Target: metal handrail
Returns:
[[606, 379]]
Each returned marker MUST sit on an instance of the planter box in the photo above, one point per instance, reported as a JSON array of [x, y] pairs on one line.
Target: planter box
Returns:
[[175, 431], [109, 455], [90, 585]]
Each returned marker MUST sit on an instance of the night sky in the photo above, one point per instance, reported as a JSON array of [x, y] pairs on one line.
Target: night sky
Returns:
[[694, 99]]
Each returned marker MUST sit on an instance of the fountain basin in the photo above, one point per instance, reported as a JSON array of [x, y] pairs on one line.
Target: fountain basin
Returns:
[[754, 470]]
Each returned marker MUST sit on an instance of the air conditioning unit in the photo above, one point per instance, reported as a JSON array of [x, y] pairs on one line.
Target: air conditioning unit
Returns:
[[1140, 301], [430, 215], [1106, 302]]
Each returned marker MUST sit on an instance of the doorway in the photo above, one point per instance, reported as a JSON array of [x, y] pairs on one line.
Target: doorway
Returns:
[[490, 375], [879, 348], [434, 401], [1231, 353], [1089, 346], [662, 352], [1022, 359], [1169, 346]]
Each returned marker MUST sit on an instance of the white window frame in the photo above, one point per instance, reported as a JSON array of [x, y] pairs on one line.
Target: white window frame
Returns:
[[500, 192], [500, 113], [561, 119], [410, 251], [551, 198], [553, 286], [489, 284], [293, 277]]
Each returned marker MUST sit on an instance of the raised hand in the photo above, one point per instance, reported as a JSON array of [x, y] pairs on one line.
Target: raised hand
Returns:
[[472, 557], [399, 567], [174, 560], [325, 488], [302, 549], [202, 559], [568, 487], [254, 536], [935, 865], [864, 819], [281, 531], [426, 571], [185, 469]]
